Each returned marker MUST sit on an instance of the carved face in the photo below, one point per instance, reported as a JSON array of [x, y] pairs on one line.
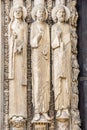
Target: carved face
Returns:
[[74, 3], [41, 15], [61, 14], [18, 13]]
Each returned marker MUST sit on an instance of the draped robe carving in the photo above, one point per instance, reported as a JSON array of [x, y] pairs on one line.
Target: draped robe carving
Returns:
[[61, 45], [40, 67], [18, 36]]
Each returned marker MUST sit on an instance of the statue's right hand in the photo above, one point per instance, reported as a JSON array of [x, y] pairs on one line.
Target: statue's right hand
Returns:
[[39, 36], [58, 33], [14, 35]]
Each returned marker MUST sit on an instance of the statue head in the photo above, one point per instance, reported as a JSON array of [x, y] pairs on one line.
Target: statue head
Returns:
[[39, 13], [60, 13], [74, 2], [18, 12]]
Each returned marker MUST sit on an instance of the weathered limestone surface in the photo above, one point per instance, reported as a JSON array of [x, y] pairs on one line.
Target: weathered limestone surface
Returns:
[[61, 45], [51, 65]]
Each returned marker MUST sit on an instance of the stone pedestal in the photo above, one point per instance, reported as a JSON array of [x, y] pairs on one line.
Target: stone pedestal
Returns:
[[17, 123], [63, 122], [41, 124]]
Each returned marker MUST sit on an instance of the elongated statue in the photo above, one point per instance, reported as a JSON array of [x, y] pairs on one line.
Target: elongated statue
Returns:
[[40, 44], [18, 38], [61, 45]]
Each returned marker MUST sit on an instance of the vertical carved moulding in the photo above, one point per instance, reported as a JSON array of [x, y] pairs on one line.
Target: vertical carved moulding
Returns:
[[75, 117], [6, 82], [28, 7], [28, 4], [49, 9]]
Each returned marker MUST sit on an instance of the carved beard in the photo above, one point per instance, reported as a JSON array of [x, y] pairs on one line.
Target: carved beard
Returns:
[[41, 18], [61, 19]]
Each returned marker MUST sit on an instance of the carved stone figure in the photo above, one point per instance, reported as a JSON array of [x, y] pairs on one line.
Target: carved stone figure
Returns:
[[61, 45], [74, 39], [75, 73], [74, 14], [40, 44], [18, 37], [74, 62]]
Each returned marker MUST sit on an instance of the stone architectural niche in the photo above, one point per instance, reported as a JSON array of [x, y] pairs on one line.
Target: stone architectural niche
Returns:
[[18, 38], [62, 78], [40, 45]]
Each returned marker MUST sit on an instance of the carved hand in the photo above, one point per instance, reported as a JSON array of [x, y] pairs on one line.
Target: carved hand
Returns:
[[14, 35], [40, 34], [20, 48], [58, 33]]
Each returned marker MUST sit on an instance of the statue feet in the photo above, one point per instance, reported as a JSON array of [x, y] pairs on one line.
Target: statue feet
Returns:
[[63, 113], [46, 116], [66, 113], [36, 117]]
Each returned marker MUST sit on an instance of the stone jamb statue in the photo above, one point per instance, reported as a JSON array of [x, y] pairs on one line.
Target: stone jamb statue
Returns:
[[40, 44], [61, 45], [18, 39]]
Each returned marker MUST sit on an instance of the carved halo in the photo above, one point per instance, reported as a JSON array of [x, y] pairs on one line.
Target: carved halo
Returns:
[[14, 8], [35, 9], [56, 9]]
